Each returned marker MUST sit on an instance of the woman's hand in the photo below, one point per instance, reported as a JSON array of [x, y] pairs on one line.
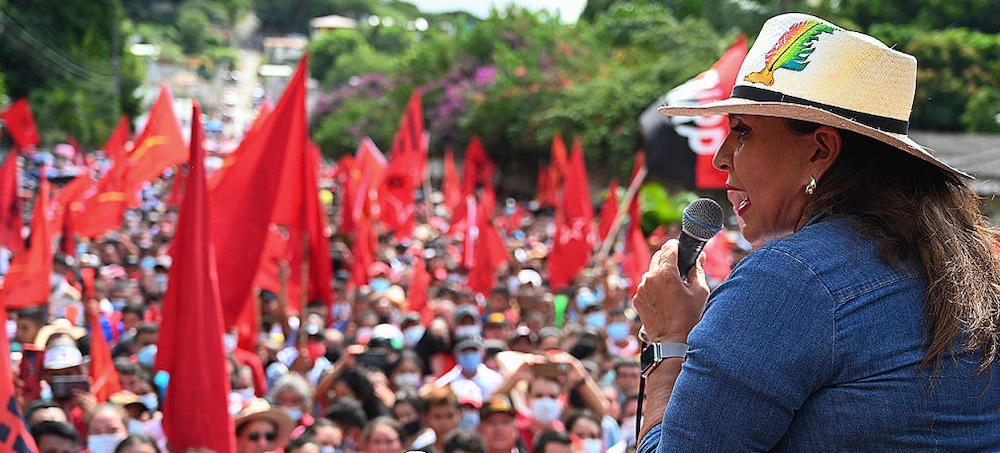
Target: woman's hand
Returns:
[[668, 306]]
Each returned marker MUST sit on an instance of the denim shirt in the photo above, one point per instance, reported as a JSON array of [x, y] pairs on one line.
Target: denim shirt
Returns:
[[813, 345]]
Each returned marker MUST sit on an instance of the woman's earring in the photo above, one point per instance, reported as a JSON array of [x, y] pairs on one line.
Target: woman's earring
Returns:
[[811, 187]]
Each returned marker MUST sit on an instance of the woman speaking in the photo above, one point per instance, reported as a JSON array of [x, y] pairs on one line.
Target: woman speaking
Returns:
[[867, 317]]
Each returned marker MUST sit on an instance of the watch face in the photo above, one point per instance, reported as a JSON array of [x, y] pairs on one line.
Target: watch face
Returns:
[[646, 358]]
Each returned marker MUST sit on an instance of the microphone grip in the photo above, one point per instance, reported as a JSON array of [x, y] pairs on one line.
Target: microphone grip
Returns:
[[688, 249]]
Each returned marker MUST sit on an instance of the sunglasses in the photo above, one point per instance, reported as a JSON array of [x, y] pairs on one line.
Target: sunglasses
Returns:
[[255, 435]]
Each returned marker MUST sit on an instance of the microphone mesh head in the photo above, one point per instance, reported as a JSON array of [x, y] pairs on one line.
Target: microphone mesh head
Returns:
[[702, 218]]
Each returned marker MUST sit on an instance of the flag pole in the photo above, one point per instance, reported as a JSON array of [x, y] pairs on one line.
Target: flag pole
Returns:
[[633, 189]]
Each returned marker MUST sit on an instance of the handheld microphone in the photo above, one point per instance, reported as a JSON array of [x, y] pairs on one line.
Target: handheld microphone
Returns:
[[702, 219]]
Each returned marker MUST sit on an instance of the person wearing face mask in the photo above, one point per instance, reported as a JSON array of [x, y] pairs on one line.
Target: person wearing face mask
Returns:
[[469, 356], [586, 427], [410, 410], [620, 342], [405, 373], [470, 399], [292, 393], [106, 427], [467, 321]]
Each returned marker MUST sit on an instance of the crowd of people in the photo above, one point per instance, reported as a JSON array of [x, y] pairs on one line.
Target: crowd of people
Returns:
[[521, 369]]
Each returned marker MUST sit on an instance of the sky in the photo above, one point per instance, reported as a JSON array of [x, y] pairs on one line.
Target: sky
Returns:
[[569, 10]]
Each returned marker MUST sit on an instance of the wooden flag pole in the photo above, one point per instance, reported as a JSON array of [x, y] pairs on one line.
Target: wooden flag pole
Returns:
[[633, 189]]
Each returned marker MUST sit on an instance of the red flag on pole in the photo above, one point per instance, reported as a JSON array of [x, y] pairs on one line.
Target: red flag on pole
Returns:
[[609, 210], [365, 175], [449, 184], [103, 375], [116, 142], [160, 146], [573, 242], [637, 254], [243, 201], [11, 219], [477, 170], [62, 209], [16, 438], [20, 124], [27, 281], [416, 294], [195, 411], [484, 251]]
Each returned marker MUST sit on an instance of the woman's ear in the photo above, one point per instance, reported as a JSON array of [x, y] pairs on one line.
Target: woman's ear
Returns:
[[828, 144]]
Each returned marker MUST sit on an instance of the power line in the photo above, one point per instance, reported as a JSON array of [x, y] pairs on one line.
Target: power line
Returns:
[[56, 58]]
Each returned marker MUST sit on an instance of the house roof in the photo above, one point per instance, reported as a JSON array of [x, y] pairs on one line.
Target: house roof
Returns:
[[333, 21], [976, 154]]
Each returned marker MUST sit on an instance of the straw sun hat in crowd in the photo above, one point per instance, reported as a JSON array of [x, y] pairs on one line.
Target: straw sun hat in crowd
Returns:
[[803, 67]]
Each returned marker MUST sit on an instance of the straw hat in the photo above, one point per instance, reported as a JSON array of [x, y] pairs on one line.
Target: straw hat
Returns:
[[803, 67], [58, 325], [260, 409]]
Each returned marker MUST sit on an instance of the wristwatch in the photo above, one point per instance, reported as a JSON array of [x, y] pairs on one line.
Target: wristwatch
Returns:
[[654, 353]]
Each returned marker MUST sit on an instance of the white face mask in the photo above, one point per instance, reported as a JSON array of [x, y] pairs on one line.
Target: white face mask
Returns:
[[136, 427], [104, 443], [467, 331], [247, 393], [406, 381], [592, 445], [546, 410]]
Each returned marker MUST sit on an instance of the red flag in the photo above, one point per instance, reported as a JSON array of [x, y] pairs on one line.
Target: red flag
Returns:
[[546, 190], [363, 251], [573, 242], [405, 173], [397, 194], [637, 257], [27, 281], [103, 208], [103, 375], [116, 142], [609, 210], [158, 147], [243, 201], [362, 178], [10, 206], [416, 294], [262, 114], [20, 124], [62, 205], [320, 263], [195, 411], [477, 170], [176, 187], [410, 137], [16, 438], [483, 250], [719, 256], [452, 192]]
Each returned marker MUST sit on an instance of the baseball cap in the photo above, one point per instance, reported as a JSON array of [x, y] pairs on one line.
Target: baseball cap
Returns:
[[496, 404]]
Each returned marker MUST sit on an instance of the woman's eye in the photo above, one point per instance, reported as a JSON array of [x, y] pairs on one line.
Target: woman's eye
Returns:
[[741, 130]]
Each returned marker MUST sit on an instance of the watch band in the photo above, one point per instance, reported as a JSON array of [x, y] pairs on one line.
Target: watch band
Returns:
[[654, 353]]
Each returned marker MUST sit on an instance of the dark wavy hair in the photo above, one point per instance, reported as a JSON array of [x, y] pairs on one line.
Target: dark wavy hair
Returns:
[[921, 212]]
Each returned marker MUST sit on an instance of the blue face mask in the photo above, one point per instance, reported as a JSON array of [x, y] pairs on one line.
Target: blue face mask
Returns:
[[469, 421], [617, 331], [595, 319], [379, 284], [147, 263], [147, 356], [295, 413], [469, 360]]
